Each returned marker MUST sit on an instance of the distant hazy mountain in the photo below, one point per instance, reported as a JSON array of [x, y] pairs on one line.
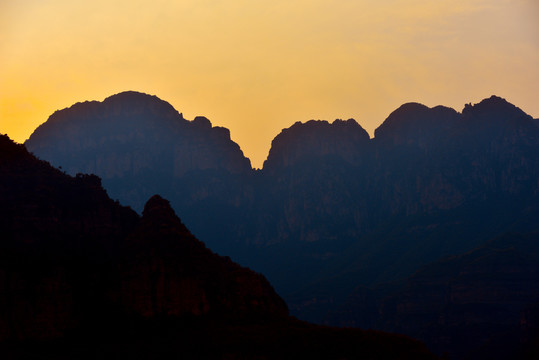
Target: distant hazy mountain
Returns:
[[82, 277], [331, 209]]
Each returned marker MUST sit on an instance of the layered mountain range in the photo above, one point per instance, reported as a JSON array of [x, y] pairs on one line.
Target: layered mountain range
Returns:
[[332, 211], [83, 277]]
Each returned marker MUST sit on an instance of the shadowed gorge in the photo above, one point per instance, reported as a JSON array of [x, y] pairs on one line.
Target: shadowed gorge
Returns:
[[333, 216]]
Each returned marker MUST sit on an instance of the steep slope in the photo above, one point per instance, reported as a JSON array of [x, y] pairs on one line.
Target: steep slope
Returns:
[[310, 173], [332, 209], [165, 270], [70, 253], [127, 133], [54, 229], [140, 145], [83, 277], [423, 199]]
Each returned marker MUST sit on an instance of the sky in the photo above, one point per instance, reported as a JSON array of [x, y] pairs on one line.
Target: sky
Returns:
[[257, 66]]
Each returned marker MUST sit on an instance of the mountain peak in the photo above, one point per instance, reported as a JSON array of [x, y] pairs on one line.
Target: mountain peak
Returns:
[[132, 134], [158, 211], [415, 123], [317, 138], [130, 95], [136, 102], [156, 204], [496, 118], [410, 108], [494, 107]]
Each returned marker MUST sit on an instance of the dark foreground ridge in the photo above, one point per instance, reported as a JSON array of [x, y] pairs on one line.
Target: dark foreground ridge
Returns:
[[82, 277]]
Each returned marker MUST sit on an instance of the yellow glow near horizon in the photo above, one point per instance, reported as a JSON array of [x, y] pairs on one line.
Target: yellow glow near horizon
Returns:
[[257, 67]]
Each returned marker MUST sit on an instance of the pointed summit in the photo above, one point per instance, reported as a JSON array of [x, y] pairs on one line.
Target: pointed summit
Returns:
[[159, 209], [157, 205]]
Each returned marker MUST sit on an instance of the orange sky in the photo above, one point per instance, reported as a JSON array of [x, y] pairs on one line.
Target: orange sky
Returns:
[[256, 67]]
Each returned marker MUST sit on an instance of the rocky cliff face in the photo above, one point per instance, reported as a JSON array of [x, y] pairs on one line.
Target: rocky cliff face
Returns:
[[315, 139], [83, 277], [330, 206], [133, 135], [304, 208]]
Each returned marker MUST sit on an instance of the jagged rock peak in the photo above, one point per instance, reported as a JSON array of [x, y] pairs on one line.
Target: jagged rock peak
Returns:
[[317, 138], [494, 107], [159, 209], [414, 123], [324, 124], [132, 133], [157, 204]]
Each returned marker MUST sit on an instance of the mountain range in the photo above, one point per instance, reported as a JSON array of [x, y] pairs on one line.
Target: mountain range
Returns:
[[84, 277], [333, 216]]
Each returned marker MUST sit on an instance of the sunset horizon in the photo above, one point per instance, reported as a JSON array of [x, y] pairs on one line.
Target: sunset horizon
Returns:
[[238, 179], [258, 68], [259, 162]]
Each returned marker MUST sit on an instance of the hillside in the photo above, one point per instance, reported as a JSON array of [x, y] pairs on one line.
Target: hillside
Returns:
[[83, 277], [332, 210]]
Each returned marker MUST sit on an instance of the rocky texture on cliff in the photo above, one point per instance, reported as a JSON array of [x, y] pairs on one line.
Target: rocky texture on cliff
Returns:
[[84, 277], [317, 138], [332, 209], [132, 135], [140, 145]]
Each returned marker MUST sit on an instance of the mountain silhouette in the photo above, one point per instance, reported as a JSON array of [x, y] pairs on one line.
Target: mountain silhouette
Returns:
[[316, 139], [416, 124], [84, 277], [332, 210], [137, 135]]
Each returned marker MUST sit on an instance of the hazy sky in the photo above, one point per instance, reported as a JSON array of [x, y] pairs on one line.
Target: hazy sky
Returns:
[[258, 66]]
